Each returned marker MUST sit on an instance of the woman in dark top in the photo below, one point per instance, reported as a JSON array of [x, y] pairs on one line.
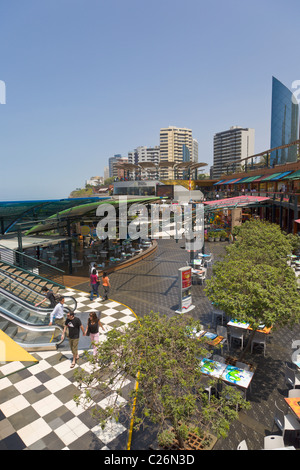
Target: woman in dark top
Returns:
[[92, 330]]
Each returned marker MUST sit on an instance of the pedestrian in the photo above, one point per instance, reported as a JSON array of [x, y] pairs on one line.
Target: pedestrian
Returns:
[[48, 296], [106, 285], [94, 283], [92, 330], [57, 313], [74, 325]]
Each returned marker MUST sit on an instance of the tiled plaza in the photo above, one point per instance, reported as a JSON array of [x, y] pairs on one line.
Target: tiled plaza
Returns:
[[37, 407]]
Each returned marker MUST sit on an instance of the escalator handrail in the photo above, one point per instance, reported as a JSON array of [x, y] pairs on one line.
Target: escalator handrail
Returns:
[[33, 291], [38, 328], [42, 311]]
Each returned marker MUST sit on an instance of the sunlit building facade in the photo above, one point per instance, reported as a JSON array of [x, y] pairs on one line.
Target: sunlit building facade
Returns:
[[284, 124]]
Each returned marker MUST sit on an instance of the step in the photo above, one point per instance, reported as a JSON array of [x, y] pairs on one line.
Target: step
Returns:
[[11, 331], [4, 324]]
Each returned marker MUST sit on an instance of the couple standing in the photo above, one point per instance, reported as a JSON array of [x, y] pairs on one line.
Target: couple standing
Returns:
[[95, 282]]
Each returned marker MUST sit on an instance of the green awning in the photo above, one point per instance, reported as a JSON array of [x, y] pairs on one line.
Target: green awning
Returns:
[[251, 178], [269, 177], [293, 176]]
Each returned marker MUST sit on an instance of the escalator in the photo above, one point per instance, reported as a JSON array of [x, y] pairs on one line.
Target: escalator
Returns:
[[26, 324], [30, 292]]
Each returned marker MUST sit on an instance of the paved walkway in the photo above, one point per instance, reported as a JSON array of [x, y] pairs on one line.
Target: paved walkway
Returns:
[[40, 400]]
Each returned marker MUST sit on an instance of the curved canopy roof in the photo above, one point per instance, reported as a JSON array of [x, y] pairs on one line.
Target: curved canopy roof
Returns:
[[76, 212], [17, 212]]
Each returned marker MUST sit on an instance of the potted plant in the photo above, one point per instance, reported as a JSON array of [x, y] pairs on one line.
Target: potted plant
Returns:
[[223, 235], [211, 236], [217, 236]]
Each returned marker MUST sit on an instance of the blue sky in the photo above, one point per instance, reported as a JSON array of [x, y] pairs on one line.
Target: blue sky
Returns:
[[87, 79]]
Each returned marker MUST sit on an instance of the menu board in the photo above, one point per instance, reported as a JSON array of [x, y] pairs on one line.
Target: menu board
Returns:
[[186, 278]]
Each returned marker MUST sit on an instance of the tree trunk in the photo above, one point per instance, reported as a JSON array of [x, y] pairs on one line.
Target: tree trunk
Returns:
[[246, 349]]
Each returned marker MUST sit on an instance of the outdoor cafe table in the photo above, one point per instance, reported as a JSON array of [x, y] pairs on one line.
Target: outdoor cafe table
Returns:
[[212, 338], [294, 404], [228, 373], [246, 326], [197, 262]]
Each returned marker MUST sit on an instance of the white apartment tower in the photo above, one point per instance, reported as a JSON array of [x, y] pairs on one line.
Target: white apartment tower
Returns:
[[143, 155], [232, 146], [195, 151], [176, 146]]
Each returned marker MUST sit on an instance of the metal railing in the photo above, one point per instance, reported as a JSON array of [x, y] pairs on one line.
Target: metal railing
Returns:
[[32, 265]]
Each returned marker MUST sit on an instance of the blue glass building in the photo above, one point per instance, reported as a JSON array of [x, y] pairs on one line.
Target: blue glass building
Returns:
[[284, 123]]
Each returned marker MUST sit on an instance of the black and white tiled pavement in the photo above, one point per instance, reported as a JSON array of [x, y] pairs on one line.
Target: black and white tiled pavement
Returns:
[[37, 409]]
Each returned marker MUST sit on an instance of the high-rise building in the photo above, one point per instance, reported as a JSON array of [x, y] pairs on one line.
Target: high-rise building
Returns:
[[106, 173], [145, 155], [232, 146], [115, 159], [176, 146], [284, 123], [195, 151]]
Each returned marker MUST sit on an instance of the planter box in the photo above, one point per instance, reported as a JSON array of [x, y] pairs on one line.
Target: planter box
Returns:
[[195, 442]]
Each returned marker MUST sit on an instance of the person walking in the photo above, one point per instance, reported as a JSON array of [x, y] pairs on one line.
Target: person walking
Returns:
[[48, 296], [57, 313], [74, 325], [106, 285], [92, 330], [94, 283]]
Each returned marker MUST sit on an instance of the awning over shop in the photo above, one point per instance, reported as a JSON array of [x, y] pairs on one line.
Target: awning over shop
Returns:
[[293, 176], [218, 182], [251, 178], [271, 177], [241, 180], [234, 181], [297, 221], [259, 179], [233, 202], [282, 175], [227, 181]]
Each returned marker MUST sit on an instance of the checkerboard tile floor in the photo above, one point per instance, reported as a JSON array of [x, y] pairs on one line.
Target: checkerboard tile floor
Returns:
[[113, 314], [37, 410]]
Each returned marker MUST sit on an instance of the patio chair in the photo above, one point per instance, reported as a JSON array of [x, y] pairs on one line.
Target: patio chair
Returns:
[[242, 446], [222, 331], [260, 339], [202, 277], [296, 344], [286, 422], [242, 365], [294, 393], [237, 334], [291, 378], [215, 313], [208, 260], [273, 442], [218, 358]]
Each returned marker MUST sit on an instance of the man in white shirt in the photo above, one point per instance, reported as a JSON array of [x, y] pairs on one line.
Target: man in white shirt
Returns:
[[57, 314]]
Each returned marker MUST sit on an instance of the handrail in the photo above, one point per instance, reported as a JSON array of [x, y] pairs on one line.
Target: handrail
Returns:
[[28, 264], [33, 328], [38, 295]]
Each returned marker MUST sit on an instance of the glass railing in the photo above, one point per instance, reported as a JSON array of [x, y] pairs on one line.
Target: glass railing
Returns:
[[14, 284], [30, 337]]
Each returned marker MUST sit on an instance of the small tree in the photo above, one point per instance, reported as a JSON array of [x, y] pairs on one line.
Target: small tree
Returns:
[[163, 356], [253, 283]]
